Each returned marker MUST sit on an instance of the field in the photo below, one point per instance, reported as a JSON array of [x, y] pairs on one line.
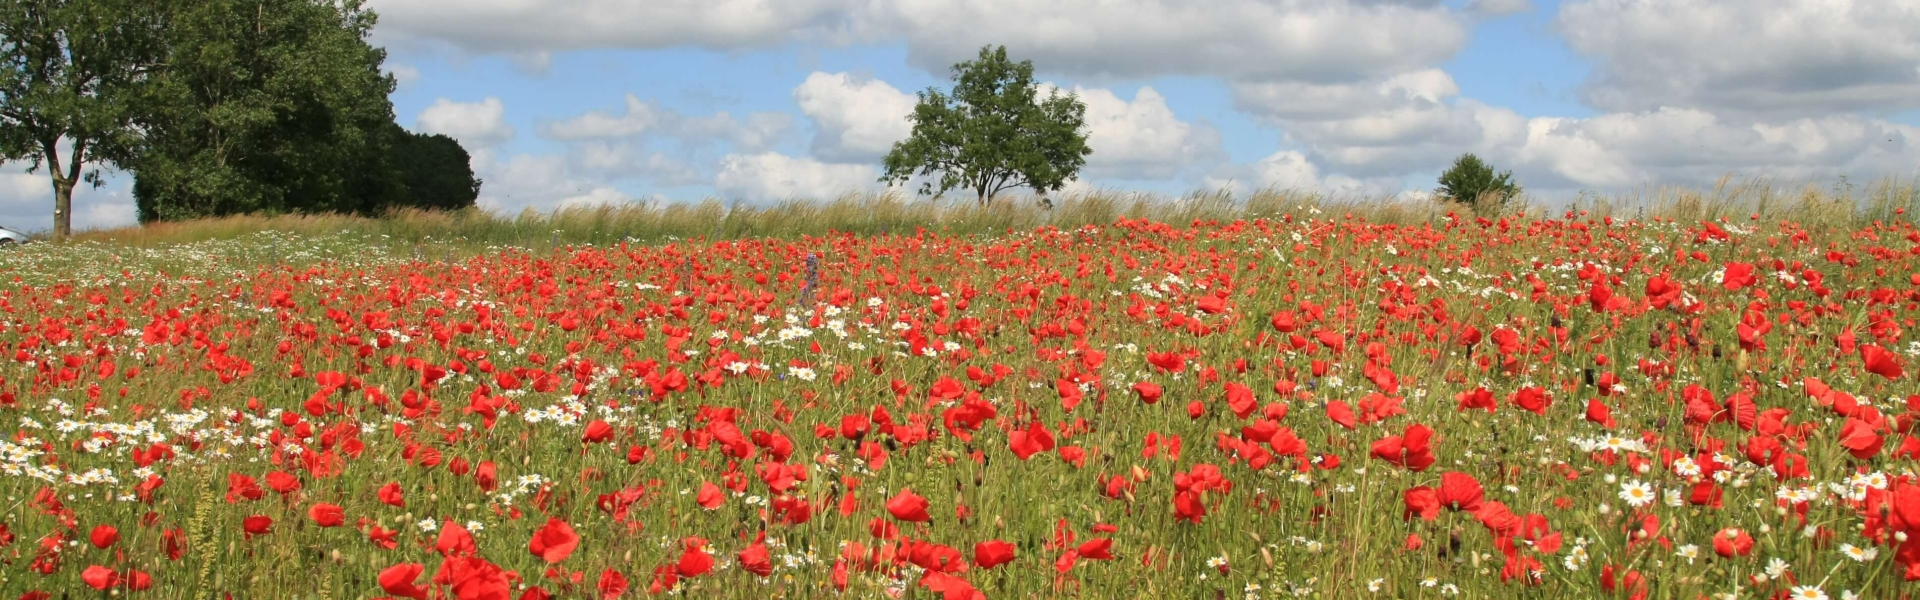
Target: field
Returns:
[[1304, 402]]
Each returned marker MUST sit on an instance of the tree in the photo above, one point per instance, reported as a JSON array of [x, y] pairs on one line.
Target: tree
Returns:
[[1471, 181], [71, 77], [436, 172], [992, 133], [268, 106]]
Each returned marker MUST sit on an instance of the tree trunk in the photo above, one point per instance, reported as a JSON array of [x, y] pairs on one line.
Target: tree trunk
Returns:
[[62, 208]]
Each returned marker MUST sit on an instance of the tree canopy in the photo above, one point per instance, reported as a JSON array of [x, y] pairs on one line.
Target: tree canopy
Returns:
[[992, 132], [72, 76], [281, 106], [1473, 181], [217, 107]]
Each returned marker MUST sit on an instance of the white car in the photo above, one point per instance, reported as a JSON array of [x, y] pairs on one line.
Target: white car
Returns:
[[10, 236]]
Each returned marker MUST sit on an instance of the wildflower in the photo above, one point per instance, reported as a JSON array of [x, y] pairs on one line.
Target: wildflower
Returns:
[[1688, 551], [1857, 553], [1636, 493], [1807, 592]]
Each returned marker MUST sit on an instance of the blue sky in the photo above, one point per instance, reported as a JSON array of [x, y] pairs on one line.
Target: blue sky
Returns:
[[597, 101]]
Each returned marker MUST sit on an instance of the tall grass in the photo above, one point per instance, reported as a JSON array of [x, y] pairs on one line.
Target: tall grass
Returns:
[[898, 214]]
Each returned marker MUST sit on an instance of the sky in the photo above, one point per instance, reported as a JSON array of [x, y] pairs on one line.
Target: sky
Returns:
[[568, 102]]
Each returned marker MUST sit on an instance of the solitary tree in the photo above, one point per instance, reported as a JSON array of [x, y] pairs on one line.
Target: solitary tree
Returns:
[[1470, 180], [71, 75], [993, 132]]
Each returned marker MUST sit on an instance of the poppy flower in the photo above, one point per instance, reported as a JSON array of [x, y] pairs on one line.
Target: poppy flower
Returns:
[[908, 506], [326, 515], [398, 581], [1033, 440], [1731, 542], [257, 525], [1149, 392], [694, 560], [992, 553], [103, 536], [612, 584], [710, 496], [390, 495], [1880, 361], [756, 558], [100, 578], [596, 432], [554, 541]]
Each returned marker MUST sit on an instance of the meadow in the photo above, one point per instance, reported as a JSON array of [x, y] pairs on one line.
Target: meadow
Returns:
[[1710, 394]]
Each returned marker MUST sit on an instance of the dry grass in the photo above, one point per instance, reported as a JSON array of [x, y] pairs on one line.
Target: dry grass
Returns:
[[890, 213]]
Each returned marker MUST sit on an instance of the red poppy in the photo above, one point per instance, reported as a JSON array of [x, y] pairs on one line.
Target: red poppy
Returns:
[[103, 536], [554, 541], [908, 506], [398, 581], [992, 553], [257, 525], [326, 515], [1731, 542]]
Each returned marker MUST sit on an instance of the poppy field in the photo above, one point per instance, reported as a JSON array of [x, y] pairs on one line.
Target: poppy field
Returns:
[[1306, 405]]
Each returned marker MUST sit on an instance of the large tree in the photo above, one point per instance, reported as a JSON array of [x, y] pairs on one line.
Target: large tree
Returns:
[[992, 133], [268, 106], [435, 171], [72, 74]]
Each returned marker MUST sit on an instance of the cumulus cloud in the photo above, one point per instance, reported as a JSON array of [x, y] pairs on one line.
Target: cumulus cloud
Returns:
[[1141, 138], [1389, 126], [1415, 123], [1290, 170], [854, 119], [1778, 57], [517, 26], [1310, 39], [476, 124], [1696, 147], [403, 74], [771, 176], [755, 132], [1498, 7], [1317, 40], [600, 196]]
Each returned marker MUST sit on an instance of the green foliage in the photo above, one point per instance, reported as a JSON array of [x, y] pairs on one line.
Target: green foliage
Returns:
[[992, 133], [436, 172], [1472, 181], [268, 106], [70, 73]]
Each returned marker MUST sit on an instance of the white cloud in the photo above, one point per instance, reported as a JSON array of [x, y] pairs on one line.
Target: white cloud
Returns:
[[757, 132], [770, 176], [1309, 39], [522, 26], [1780, 57], [1141, 138], [26, 200], [1265, 39], [600, 196], [403, 74], [626, 159], [854, 119], [476, 124], [1499, 7], [1415, 123], [1289, 170], [639, 118], [1696, 147]]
